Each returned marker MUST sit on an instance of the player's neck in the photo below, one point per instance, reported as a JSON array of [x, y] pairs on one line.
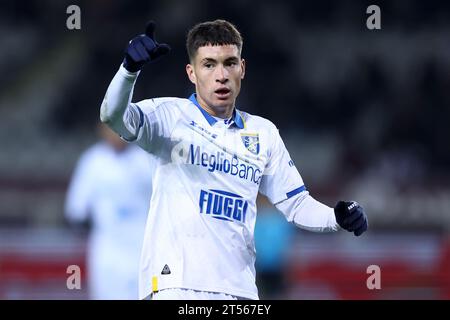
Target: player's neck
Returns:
[[219, 112]]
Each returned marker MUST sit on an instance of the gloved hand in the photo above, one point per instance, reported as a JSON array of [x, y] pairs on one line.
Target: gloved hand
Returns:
[[143, 49], [351, 217]]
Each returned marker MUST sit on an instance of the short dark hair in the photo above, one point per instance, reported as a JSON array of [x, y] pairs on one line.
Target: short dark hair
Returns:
[[216, 33]]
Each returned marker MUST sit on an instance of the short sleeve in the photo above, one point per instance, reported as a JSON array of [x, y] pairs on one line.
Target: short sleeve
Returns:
[[281, 179], [151, 122]]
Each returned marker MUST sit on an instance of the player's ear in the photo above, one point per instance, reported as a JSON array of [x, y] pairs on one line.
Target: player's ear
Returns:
[[243, 68], [191, 74]]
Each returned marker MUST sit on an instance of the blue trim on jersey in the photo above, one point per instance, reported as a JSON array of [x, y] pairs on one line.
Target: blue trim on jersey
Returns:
[[141, 117], [292, 193], [207, 116], [141, 123], [238, 120]]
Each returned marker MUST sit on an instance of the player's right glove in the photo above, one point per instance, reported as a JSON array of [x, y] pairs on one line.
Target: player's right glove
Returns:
[[351, 217], [143, 49]]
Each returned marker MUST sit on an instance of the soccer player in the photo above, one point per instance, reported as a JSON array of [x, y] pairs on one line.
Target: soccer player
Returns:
[[109, 189], [213, 159]]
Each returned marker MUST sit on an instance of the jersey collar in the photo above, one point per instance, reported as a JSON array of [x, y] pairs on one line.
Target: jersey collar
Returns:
[[238, 120]]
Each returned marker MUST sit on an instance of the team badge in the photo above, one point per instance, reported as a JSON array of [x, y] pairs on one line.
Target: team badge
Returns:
[[251, 142]]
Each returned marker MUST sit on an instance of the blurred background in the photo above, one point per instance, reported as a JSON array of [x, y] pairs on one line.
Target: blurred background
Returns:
[[364, 114]]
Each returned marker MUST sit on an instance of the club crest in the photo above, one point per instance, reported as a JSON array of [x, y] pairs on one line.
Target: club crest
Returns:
[[251, 142]]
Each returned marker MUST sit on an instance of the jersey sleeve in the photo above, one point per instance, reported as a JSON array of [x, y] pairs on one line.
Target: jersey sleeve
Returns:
[[150, 122], [281, 179], [284, 187], [308, 213], [146, 122]]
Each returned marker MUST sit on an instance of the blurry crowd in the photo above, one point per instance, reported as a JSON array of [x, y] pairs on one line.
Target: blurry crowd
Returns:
[[321, 71], [364, 113]]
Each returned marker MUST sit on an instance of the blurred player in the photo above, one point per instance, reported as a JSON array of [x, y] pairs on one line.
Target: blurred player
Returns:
[[213, 161], [111, 186], [272, 239]]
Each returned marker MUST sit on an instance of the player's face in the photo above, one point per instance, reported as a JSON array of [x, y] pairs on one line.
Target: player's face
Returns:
[[217, 72]]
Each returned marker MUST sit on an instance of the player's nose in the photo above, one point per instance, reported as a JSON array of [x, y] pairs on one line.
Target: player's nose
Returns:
[[221, 74]]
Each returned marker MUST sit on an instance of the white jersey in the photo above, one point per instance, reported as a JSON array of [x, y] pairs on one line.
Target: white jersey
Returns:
[[199, 234], [112, 189]]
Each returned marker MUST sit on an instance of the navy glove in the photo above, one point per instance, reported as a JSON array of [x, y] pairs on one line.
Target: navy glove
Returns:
[[143, 49], [351, 217]]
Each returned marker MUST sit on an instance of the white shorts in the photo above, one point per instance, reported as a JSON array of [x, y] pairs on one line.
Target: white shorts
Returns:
[[189, 294]]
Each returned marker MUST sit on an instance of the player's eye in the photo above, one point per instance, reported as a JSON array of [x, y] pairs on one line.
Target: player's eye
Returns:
[[208, 65]]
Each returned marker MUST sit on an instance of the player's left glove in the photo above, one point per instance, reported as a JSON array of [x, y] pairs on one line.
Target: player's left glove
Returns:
[[351, 217]]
